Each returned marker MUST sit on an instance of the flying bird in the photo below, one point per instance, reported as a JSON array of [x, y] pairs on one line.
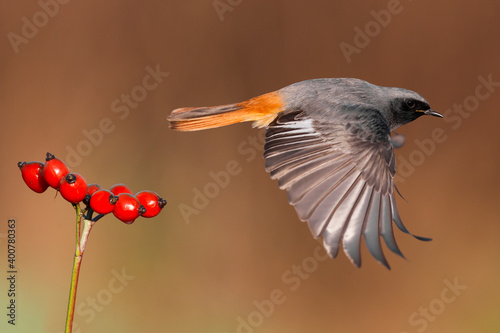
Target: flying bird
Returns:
[[328, 143]]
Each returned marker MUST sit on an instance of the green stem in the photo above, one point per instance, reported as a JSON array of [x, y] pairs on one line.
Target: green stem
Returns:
[[82, 235]]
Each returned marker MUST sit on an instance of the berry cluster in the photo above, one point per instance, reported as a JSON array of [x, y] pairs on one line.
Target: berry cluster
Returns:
[[118, 200]]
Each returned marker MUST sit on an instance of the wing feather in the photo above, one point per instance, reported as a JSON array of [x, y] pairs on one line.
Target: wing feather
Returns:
[[339, 218], [372, 228], [339, 179]]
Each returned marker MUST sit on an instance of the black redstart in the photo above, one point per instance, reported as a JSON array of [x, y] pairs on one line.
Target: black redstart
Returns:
[[328, 143]]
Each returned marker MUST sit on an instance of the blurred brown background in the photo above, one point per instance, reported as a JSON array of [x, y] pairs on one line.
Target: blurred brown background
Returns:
[[59, 81]]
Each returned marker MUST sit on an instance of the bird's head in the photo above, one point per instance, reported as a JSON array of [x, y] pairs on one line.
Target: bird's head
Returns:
[[406, 106]]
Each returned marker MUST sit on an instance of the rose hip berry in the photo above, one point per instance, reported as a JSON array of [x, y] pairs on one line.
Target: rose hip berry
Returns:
[[73, 188], [91, 189], [54, 170], [103, 201], [120, 188], [119, 199], [152, 202], [32, 176], [128, 208]]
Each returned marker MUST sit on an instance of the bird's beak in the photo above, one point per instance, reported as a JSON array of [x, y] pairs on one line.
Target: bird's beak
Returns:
[[433, 113]]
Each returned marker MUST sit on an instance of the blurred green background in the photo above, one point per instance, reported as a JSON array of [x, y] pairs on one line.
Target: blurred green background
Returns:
[[64, 70]]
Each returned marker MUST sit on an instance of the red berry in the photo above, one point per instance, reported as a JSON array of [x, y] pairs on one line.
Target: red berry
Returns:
[[152, 202], [54, 170], [103, 201], [128, 208], [120, 188], [91, 189], [32, 176], [73, 188]]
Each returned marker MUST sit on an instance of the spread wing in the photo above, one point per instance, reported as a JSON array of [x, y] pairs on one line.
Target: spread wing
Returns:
[[339, 178]]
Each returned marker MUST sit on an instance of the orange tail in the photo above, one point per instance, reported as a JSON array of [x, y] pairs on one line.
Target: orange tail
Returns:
[[262, 110]]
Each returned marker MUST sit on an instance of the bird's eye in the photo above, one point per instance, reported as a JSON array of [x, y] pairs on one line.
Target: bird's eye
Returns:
[[410, 103]]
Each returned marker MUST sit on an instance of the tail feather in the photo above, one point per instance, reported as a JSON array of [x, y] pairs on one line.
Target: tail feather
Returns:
[[262, 110]]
